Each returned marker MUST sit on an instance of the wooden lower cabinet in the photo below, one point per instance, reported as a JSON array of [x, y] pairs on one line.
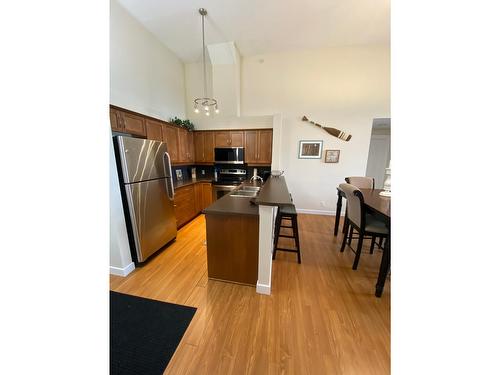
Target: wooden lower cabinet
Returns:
[[198, 197], [184, 204], [206, 195], [233, 248], [190, 200]]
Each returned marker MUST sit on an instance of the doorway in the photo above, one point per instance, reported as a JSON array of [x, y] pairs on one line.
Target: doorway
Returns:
[[379, 155]]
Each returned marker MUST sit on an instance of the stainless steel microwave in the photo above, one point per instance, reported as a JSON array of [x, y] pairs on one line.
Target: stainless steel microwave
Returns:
[[229, 155]]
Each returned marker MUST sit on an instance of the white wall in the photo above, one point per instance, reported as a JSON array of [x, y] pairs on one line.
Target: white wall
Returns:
[[379, 157], [120, 259], [145, 76], [343, 88], [194, 86]]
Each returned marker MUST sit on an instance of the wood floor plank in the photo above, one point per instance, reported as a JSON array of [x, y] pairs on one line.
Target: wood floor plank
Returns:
[[321, 318]]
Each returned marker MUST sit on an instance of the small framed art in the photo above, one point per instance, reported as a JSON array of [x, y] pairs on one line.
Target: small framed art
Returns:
[[332, 156], [310, 149]]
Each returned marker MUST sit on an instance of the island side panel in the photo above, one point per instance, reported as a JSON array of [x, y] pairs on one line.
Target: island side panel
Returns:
[[233, 248], [267, 217]]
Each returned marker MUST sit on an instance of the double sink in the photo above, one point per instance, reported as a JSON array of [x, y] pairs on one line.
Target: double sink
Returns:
[[246, 191]]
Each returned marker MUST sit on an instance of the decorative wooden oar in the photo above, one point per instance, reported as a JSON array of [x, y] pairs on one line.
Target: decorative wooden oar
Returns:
[[335, 132]]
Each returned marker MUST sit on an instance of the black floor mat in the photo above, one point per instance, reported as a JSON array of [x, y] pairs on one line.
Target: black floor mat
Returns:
[[144, 333]]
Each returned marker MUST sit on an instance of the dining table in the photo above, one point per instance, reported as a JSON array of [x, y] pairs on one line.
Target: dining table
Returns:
[[381, 206]]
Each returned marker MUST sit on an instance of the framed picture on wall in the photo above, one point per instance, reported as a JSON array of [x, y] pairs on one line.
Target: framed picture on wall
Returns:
[[332, 156], [310, 149]]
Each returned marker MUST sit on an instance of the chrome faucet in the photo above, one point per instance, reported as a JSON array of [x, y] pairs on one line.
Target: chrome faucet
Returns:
[[256, 177]]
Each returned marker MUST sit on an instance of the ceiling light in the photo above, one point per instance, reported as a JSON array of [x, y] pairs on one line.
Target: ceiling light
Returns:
[[205, 101]]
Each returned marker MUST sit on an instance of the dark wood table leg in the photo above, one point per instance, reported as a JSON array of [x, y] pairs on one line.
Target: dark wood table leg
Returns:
[[337, 213], [384, 266]]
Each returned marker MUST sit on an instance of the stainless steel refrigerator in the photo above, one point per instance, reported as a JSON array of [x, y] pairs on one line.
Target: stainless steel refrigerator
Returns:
[[147, 194]]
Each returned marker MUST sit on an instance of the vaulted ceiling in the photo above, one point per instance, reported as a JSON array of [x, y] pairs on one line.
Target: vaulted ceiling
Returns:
[[263, 26]]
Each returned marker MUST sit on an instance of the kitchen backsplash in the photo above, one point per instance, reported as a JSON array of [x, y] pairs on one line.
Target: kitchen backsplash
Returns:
[[207, 171]]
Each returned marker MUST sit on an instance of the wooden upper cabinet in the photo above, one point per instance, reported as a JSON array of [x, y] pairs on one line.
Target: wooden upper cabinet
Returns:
[[127, 122], [190, 140], [222, 139], [133, 124], [199, 147], [182, 134], [208, 147], [258, 146], [236, 138], [169, 134], [265, 147], [114, 117], [154, 130], [204, 143], [251, 142], [229, 138]]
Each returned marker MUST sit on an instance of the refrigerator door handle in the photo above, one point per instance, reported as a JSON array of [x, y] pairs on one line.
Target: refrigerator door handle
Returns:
[[170, 183]]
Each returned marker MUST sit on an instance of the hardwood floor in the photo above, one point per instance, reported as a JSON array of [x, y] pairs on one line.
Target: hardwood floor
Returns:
[[321, 318]]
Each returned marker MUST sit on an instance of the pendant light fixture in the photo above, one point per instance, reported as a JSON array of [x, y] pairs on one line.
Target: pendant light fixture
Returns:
[[205, 103]]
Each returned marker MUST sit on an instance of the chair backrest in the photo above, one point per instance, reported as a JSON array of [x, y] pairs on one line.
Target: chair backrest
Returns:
[[361, 182], [355, 201]]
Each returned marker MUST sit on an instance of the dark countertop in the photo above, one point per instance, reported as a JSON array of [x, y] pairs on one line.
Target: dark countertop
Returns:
[[190, 181], [274, 193], [228, 205]]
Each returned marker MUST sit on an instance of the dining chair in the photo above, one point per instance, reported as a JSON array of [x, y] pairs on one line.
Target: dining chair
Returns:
[[361, 221], [361, 182]]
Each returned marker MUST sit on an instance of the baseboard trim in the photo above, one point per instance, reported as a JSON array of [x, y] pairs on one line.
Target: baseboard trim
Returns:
[[315, 212], [122, 271], [263, 289]]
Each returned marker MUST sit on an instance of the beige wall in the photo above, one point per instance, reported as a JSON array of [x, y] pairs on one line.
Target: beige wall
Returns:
[[145, 76], [344, 88]]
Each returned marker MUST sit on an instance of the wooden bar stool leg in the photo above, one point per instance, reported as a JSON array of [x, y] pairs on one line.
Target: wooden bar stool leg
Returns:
[[277, 227], [296, 235]]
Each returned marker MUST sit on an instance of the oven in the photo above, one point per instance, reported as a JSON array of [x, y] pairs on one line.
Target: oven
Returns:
[[226, 180]]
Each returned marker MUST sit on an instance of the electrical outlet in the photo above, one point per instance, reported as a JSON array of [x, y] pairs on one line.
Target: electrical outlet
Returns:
[[322, 204]]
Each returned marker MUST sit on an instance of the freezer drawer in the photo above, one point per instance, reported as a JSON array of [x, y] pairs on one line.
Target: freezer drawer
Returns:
[[152, 216]]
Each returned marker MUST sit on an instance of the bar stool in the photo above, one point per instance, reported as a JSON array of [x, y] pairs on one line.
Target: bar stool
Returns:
[[287, 212]]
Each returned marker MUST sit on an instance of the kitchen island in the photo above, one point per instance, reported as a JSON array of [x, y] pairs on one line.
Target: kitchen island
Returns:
[[240, 232], [233, 239]]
